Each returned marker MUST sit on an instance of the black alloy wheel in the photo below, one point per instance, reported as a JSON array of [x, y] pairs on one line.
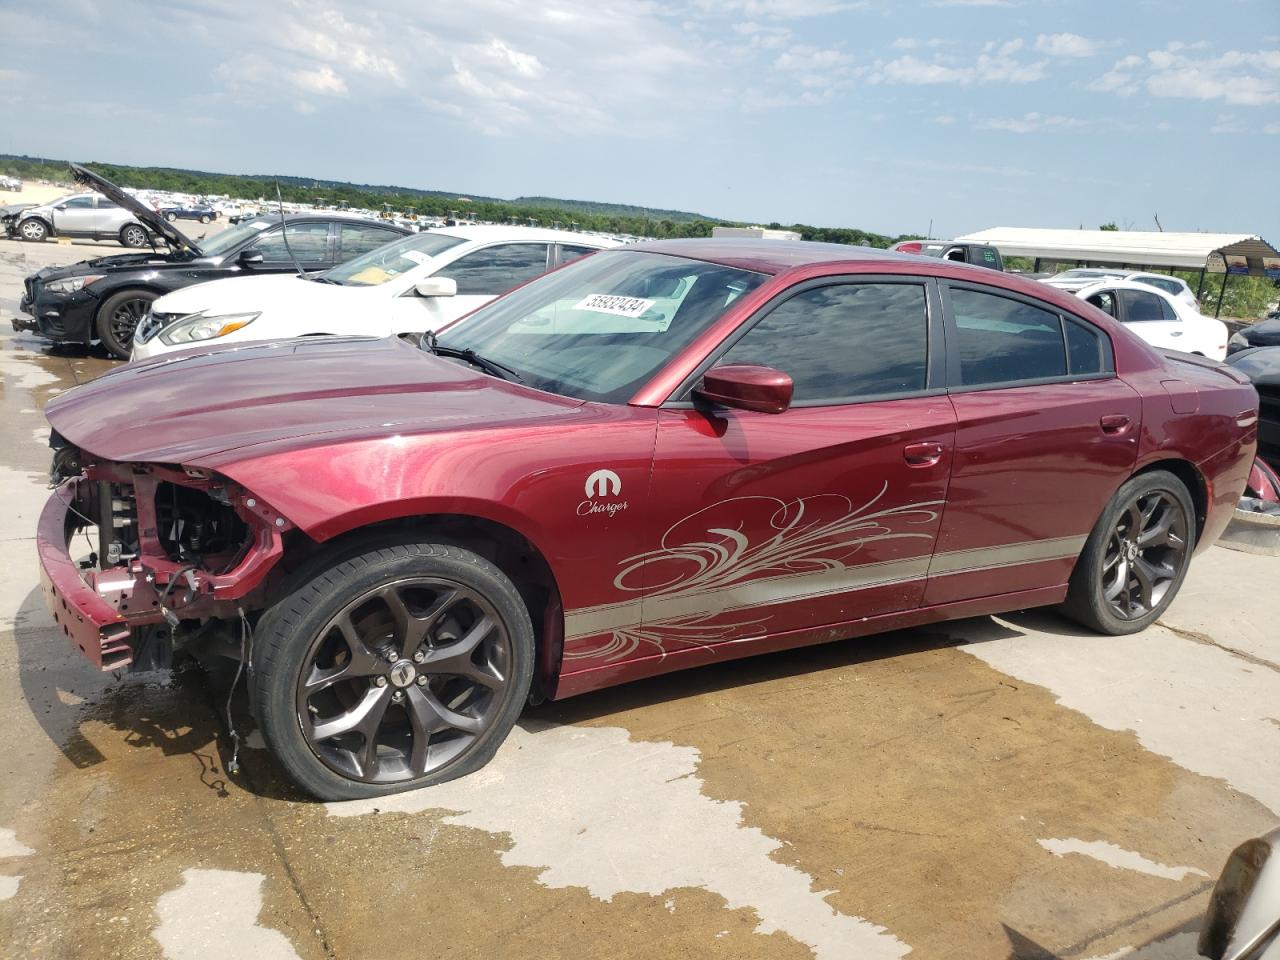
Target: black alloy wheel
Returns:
[[1147, 549], [393, 669], [118, 319], [1137, 556]]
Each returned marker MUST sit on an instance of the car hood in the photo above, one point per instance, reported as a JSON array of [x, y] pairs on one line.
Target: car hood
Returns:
[[1260, 364], [192, 406], [176, 238], [243, 294], [122, 261], [12, 209], [1264, 333]]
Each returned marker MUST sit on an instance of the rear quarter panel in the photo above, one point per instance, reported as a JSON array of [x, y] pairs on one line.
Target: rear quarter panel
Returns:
[[1200, 413]]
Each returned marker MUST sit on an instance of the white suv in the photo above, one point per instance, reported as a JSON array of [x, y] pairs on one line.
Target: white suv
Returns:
[[80, 215]]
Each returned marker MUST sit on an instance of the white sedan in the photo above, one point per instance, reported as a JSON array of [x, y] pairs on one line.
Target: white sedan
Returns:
[[411, 285], [1081, 277], [1158, 318]]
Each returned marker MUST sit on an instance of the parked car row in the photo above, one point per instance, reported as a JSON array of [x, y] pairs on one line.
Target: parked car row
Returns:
[[91, 215], [12, 184]]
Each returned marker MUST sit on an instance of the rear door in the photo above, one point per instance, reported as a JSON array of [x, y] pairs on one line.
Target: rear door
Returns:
[[1151, 317], [355, 239], [1045, 433], [827, 513]]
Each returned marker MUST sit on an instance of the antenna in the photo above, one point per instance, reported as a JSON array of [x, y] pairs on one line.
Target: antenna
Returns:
[[284, 231]]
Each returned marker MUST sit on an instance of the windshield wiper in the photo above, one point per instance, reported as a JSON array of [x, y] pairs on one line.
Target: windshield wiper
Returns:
[[499, 370]]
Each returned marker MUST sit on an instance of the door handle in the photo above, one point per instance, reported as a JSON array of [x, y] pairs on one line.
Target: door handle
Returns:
[[923, 454], [1114, 423]]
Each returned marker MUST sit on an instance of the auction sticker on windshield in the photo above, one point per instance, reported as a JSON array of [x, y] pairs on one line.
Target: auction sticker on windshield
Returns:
[[618, 306], [416, 256]]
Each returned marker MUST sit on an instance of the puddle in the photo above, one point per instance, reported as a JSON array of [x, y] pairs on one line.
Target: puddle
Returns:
[[592, 808]]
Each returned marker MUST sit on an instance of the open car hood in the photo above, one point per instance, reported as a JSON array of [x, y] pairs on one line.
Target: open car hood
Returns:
[[158, 224]]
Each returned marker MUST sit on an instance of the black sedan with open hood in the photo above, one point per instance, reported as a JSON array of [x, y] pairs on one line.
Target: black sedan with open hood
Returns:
[[104, 299]]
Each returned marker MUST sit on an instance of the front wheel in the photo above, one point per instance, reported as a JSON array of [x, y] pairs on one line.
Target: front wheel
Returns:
[[118, 319], [171, 217], [33, 230], [204, 218], [394, 668], [1136, 558]]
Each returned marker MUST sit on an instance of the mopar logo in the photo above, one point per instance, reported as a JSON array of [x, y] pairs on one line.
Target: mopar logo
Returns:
[[603, 483]]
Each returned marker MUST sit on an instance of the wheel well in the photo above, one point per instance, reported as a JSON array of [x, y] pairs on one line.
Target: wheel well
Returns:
[[1185, 471], [508, 550]]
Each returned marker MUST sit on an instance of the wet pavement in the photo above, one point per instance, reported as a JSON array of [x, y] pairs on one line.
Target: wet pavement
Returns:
[[996, 787]]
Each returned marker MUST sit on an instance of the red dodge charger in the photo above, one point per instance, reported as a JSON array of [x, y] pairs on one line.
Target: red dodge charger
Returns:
[[657, 457]]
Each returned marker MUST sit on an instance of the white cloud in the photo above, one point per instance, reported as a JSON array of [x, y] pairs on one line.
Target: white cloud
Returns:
[[1239, 78], [322, 80], [778, 9], [996, 64], [1067, 45], [1031, 123], [973, 3], [910, 43], [1271, 129]]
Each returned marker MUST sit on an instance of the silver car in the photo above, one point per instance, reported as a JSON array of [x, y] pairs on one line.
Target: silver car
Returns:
[[79, 215]]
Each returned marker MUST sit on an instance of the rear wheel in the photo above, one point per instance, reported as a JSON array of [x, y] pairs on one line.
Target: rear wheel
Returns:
[[118, 319], [33, 230], [132, 235], [395, 668], [204, 218], [1136, 558], [171, 217]]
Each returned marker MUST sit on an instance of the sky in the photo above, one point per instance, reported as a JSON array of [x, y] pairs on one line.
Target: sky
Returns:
[[887, 115]]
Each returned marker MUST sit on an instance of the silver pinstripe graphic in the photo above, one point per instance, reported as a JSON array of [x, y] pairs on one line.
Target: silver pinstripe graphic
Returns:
[[626, 615]]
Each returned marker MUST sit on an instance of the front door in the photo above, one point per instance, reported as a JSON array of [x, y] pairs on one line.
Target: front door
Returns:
[[75, 217], [1045, 434], [308, 244], [818, 516]]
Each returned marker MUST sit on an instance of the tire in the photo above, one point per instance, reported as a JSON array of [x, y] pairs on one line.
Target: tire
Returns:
[[133, 235], [204, 219], [331, 657], [118, 318], [171, 217], [1120, 586], [33, 230]]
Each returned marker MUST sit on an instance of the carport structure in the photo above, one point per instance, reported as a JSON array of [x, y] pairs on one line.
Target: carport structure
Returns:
[[1224, 253]]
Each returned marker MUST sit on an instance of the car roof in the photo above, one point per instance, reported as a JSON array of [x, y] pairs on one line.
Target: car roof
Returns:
[[771, 256], [495, 231], [1124, 285]]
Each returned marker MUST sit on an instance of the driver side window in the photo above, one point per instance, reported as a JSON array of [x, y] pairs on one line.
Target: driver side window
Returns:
[[497, 269], [308, 241], [844, 342], [79, 203]]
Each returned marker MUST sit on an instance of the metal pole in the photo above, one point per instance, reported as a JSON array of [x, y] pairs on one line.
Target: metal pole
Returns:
[[1035, 267], [1200, 289], [1221, 290]]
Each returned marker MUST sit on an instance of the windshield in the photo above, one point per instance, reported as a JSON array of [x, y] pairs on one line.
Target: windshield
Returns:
[[227, 240], [391, 259], [603, 326]]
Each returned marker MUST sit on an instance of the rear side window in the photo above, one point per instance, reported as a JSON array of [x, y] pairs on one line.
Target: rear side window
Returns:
[[1003, 340], [1140, 307], [844, 342], [1167, 309], [570, 252], [1088, 351]]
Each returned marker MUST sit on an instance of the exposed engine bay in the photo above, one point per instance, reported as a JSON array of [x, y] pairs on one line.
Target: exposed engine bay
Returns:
[[177, 550]]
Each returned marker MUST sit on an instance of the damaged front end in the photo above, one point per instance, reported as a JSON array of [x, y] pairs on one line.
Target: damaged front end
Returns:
[[167, 551]]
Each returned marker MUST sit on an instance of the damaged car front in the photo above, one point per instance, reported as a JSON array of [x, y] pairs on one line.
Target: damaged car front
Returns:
[[172, 547]]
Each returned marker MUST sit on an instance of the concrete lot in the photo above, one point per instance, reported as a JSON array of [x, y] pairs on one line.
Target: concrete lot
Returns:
[[988, 788]]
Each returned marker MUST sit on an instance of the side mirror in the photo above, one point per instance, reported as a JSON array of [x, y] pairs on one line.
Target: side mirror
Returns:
[[250, 257], [747, 387], [1243, 919], [436, 287]]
